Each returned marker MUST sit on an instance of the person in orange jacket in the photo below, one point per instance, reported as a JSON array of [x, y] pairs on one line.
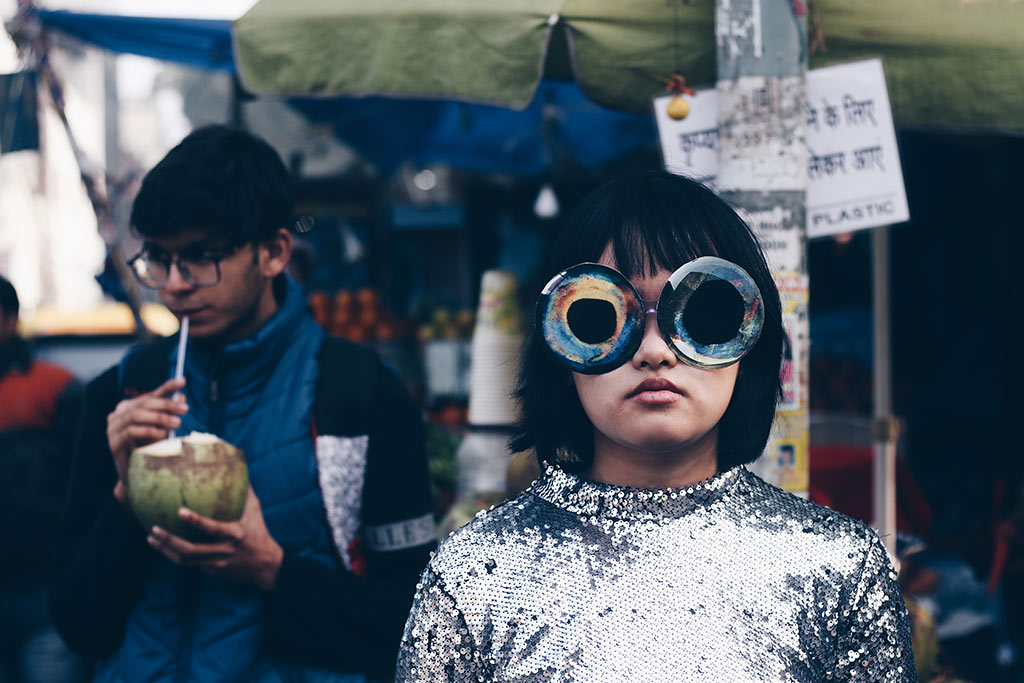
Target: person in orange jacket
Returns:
[[38, 411], [30, 389]]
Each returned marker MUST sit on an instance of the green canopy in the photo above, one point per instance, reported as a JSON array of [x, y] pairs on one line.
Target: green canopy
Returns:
[[949, 63]]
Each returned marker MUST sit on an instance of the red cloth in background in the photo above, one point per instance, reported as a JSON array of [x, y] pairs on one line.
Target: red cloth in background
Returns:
[[840, 477], [28, 399]]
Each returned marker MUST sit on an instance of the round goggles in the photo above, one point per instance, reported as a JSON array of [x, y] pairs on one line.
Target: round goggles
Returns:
[[592, 318]]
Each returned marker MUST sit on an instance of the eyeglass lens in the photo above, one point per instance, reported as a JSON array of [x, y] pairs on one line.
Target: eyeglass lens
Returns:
[[154, 271]]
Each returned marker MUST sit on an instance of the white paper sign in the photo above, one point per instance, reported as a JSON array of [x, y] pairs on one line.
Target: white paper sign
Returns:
[[854, 175], [690, 146]]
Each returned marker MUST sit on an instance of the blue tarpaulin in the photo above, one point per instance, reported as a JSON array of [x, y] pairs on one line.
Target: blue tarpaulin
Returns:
[[560, 126], [204, 43]]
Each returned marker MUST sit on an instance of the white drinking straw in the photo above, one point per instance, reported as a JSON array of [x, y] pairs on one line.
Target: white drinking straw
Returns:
[[179, 370]]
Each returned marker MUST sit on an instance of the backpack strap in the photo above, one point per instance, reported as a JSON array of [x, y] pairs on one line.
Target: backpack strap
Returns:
[[145, 367], [345, 386]]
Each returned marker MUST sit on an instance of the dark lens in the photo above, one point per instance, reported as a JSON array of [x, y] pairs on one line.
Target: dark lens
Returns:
[[591, 320], [199, 271], [710, 312], [714, 312]]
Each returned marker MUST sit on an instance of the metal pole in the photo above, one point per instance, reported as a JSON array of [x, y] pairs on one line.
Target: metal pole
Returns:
[[113, 217], [886, 432], [236, 113], [111, 120]]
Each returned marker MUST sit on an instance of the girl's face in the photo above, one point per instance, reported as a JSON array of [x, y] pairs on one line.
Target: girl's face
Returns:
[[655, 403]]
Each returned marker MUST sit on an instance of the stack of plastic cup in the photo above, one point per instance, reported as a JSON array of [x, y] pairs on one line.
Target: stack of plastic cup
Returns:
[[496, 349]]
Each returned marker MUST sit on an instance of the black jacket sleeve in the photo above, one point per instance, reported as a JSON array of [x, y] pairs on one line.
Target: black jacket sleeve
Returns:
[[100, 563], [348, 622]]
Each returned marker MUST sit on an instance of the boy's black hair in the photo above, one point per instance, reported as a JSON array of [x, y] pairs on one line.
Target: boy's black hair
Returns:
[[8, 297], [653, 221], [220, 179]]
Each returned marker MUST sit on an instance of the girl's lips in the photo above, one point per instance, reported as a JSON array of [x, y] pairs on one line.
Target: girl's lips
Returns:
[[655, 385], [655, 391], [656, 397]]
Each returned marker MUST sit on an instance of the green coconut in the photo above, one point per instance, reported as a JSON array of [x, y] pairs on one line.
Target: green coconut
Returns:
[[200, 472]]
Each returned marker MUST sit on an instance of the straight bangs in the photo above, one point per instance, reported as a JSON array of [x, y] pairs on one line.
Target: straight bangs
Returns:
[[651, 237], [652, 223]]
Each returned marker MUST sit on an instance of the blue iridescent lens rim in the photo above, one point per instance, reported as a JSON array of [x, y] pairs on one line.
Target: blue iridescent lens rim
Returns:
[[590, 281], [677, 292]]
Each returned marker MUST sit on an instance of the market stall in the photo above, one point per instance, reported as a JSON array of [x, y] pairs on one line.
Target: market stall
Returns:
[[415, 114]]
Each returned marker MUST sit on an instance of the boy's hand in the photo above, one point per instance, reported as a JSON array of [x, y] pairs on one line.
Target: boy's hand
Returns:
[[142, 420], [242, 551]]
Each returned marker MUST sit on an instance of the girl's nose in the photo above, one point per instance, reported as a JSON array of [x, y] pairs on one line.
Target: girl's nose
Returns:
[[653, 351]]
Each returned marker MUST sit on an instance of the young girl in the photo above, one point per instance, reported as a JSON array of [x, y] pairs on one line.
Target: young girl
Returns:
[[646, 551]]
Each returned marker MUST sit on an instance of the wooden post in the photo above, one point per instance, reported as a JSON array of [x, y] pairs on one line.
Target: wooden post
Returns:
[[762, 116]]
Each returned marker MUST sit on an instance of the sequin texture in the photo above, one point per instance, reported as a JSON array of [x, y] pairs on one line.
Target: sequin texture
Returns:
[[727, 580]]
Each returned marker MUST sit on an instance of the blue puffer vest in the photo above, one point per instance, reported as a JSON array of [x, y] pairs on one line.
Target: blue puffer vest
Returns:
[[257, 394]]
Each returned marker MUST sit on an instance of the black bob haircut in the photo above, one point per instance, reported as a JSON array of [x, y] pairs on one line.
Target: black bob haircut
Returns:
[[653, 221], [219, 179]]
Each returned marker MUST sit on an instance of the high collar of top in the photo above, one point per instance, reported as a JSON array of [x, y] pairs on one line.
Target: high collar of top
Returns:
[[595, 499], [248, 361]]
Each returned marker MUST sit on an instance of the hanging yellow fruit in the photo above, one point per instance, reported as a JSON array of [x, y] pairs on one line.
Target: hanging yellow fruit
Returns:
[[678, 108]]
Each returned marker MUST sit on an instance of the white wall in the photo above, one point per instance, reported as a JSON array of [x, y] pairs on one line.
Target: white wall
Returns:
[[49, 246]]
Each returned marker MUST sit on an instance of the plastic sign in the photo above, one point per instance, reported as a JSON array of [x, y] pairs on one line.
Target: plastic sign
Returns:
[[854, 176]]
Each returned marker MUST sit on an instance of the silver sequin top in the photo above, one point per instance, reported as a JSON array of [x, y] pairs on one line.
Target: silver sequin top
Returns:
[[727, 580]]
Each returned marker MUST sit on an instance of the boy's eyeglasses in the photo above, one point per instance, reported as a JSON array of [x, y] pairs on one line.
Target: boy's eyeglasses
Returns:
[[153, 268], [592, 319]]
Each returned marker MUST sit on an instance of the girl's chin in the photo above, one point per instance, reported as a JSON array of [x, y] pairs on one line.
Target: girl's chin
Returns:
[[667, 445]]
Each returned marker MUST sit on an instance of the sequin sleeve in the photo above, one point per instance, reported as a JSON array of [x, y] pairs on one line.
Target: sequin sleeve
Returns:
[[437, 645], [876, 643]]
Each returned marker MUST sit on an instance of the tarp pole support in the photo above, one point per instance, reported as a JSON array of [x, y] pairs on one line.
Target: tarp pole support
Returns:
[[886, 427], [236, 115]]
